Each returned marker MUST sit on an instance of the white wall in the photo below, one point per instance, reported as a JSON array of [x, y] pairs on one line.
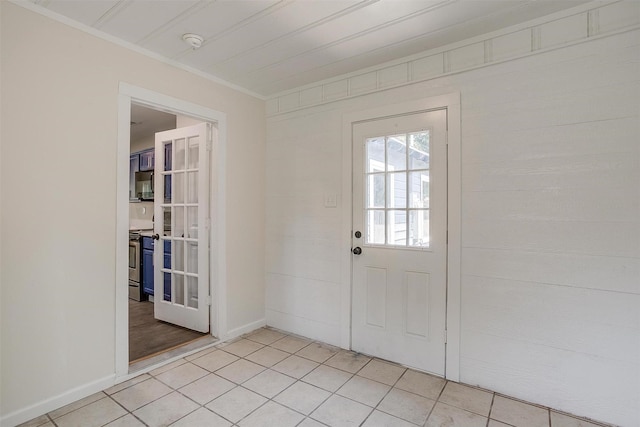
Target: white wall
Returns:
[[59, 86], [550, 220]]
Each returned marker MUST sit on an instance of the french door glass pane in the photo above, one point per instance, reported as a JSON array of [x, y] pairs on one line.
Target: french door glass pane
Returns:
[[178, 187], [419, 150], [375, 227], [179, 163], [194, 151], [397, 227], [375, 154], [419, 228], [192, 292], [178, 255], [178, 288], [179, 221], [396, 153], [166, 219], [192, 187], [192, 222], [192, 257], [375, 190], [419, 189]]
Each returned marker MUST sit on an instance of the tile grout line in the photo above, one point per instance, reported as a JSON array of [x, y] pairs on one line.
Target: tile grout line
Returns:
[[493, 396], [334, 353], [437, 400]]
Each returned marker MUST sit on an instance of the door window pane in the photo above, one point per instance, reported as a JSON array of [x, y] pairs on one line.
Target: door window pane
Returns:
[[192, 292], [397, 192], [178, 288], [179, 163], [419, 228], [194, 151], [419, 150], [419, 189], [192, 187], [178, 255], [375, 154], [178, 222], [375, 227], [192, 257], [178, 187], [396, 153], [375, 191], [397, 228]]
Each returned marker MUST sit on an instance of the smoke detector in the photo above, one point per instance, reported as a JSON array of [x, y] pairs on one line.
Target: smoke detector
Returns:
[[193, 40]]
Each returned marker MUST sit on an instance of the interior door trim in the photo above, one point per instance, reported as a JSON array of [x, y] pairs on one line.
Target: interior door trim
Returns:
[[450, 102], [127, 94]]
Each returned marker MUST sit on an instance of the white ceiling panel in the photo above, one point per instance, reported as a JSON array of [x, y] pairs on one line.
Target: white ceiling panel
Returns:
[[86, 12], [140, 18], [286, 23], [346, 25], [268, 46], [284, 20]]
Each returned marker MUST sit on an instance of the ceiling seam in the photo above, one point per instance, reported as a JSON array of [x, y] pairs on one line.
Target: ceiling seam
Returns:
[[268, 11], [202, 4], [357, 35], [307, 27], [111, 13], [415, 38]]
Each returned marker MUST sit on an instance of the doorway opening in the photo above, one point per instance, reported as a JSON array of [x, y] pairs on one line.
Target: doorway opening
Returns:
[[170, 208], [148, 336]]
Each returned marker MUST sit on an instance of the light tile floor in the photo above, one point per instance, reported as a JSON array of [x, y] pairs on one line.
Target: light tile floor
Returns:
[[270, 378]]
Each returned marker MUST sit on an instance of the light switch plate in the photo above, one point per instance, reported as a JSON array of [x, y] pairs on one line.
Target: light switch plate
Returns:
[[330, 200]]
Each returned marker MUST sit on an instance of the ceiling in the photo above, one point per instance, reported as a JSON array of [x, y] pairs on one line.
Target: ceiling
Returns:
[[145, 122], [269, 46]]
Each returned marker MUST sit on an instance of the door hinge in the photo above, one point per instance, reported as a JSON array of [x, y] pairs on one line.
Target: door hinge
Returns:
[[447, 238], [445, 336], [208, 301]]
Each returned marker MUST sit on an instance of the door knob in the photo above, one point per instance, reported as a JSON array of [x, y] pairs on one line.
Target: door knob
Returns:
[[357, 250], [155, 237]]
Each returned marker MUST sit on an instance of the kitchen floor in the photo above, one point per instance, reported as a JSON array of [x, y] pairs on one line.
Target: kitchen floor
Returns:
[[269, 378], [148, 336]]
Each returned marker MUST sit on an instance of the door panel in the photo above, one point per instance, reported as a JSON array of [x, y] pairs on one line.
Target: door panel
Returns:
[[182, 224], [399, 206]]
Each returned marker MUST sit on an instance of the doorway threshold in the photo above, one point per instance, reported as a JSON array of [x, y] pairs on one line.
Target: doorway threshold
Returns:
[[158, 359]]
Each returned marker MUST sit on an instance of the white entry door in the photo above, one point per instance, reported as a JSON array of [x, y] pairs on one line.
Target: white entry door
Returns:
[[399, 239], [181, 226]]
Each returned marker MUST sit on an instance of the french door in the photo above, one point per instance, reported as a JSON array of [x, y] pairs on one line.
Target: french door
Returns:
[[181, 226]]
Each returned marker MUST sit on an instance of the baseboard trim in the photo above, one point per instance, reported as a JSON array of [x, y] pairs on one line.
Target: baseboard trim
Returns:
[[55, 402], [249, 327]]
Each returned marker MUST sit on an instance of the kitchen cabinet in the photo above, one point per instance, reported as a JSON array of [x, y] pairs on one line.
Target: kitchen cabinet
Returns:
[[147, 267], [167, 178], [147, 264], [147, 160], [167, 276], [134, 166]]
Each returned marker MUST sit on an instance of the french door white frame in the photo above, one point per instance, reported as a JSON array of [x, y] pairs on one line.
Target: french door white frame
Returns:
[[217, 281], [450, 102]]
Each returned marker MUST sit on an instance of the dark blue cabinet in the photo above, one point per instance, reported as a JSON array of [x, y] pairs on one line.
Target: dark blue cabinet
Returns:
[[167, 178], [147, 269], [167, 276], [147, 160]]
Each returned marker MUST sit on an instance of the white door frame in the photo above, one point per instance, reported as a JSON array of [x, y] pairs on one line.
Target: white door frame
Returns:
[[217, 281], [452, 104]]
